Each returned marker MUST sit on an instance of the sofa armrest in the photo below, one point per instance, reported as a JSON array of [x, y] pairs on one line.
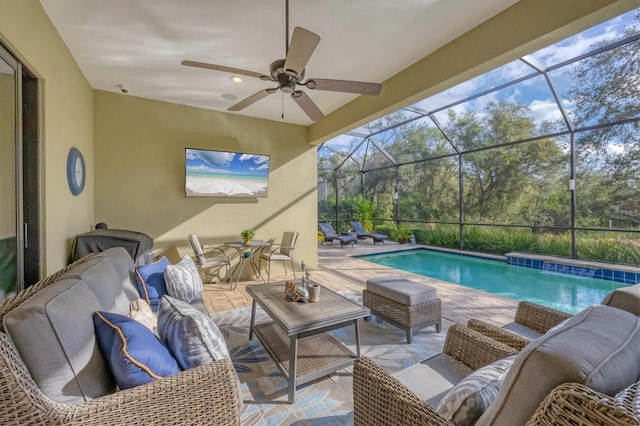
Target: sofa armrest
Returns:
[[206, 395], [474, 349], [538, 317], [572, 403], [379, 399], [501, 335]]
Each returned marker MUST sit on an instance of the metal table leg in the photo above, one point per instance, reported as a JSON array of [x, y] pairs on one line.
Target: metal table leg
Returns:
[[293, 356], [355, 323], [238, 267], [253, 320]]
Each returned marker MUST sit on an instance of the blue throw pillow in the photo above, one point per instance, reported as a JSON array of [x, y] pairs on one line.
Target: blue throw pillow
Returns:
[[135, 355], [150, 280], [192, 336]]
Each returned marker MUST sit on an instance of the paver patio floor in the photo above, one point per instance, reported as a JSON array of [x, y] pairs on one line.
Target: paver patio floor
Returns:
[[339, 270]]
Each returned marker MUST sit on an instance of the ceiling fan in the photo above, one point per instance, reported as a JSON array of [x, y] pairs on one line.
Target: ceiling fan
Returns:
[[288, 73]]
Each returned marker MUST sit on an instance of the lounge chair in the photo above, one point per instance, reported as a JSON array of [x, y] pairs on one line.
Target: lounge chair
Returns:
[[330, 235], [362, 234]]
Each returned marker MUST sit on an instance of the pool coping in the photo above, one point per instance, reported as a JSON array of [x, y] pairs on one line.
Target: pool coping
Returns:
[[625, 274]]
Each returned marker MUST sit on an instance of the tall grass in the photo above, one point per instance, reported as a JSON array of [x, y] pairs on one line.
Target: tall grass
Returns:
[[614, 248], [608, 247]]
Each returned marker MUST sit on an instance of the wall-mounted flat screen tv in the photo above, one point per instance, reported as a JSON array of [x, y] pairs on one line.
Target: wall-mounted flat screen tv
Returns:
[[225, 174]]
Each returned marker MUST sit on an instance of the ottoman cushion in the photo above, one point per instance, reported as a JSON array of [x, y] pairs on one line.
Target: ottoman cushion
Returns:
[[401, 290]]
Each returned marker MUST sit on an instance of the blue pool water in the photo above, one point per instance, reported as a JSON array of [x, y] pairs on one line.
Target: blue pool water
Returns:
[[565, 292]]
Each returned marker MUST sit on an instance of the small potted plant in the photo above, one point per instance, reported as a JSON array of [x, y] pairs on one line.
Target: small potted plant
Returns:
[[401, 234], [247, 235]]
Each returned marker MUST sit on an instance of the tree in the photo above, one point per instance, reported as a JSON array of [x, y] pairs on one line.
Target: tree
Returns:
[[502, 184], [606, 89]]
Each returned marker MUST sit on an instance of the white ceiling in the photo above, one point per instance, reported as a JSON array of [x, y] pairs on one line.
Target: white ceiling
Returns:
[[140, 44]]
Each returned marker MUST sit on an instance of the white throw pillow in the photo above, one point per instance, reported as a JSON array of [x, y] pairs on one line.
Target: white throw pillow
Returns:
[[183, 280], [140, 311]]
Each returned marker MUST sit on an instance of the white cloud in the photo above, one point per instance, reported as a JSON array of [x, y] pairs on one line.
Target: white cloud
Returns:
[[257, 159], [544, 110], [215, 158]]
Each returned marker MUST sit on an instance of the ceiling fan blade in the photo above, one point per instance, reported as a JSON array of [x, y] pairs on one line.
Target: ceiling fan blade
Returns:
[[303, 43], [224, 69], [307, 105], [251, 99], [360, 87]]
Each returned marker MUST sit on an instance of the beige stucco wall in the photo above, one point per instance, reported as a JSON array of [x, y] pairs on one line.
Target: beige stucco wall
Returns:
[[67, 121], [140, 174]]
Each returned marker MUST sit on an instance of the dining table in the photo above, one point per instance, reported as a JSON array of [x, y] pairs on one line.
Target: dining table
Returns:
[[247, 250]]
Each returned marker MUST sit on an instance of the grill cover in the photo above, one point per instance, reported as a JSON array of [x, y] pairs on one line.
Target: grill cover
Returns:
[[138, 245]]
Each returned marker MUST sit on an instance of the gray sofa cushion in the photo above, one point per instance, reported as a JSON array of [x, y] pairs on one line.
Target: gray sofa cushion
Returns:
[[598, 347], [433, 378], [625, 298], [29, 328], [53, 331], [522, 330], [121, 262]]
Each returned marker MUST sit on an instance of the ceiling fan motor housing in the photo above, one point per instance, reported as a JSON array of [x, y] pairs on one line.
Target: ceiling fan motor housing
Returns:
[[286, 82]]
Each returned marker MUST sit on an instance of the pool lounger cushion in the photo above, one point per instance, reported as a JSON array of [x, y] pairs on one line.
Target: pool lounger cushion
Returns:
[[403, 303]]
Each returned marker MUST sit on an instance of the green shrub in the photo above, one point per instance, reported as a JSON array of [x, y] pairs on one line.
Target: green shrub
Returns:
[[386, 229]]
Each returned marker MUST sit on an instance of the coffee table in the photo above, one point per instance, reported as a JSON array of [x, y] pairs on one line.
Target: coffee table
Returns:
[[297, 339]]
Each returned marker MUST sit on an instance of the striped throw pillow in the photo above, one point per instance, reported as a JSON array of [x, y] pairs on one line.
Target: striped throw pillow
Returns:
[[192, 336], [183, 280]]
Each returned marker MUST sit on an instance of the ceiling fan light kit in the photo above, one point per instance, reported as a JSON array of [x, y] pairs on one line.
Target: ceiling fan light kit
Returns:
[[288, 73]]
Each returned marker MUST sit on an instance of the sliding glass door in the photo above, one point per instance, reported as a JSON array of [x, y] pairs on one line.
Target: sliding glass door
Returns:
[[8, 191], [19, 177]]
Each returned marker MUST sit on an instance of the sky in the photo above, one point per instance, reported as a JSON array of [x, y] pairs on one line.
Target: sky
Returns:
[[533, 92], [221, 162]]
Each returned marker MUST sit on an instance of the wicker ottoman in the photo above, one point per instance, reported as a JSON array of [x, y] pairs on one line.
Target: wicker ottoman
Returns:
[[403, 303]]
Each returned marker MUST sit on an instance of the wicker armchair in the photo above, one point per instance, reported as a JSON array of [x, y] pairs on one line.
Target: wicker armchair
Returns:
[[530, 394], [205, 395], [380, 399], [507, 337], [575, 404], [531, 320]]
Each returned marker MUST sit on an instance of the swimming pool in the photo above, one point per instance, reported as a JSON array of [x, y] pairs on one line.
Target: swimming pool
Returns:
[[560, 291]]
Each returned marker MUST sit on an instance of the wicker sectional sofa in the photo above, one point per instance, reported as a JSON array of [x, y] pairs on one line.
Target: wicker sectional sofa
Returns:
[[52, 372]]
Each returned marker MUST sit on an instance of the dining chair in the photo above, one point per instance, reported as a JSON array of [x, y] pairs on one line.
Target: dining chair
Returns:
[[209, 257], [282, 252]]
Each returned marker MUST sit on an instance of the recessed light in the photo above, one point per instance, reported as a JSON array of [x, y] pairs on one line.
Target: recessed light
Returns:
[[236, 79], [229, 97]]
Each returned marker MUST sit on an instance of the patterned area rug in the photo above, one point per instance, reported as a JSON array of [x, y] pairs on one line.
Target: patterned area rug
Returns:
[[329, 400]]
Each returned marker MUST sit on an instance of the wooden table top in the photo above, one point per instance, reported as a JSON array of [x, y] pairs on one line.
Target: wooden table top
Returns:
[[296, 317]]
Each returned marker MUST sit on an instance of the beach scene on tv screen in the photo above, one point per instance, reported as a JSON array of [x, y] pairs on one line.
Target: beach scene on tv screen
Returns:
[[225, 174]]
